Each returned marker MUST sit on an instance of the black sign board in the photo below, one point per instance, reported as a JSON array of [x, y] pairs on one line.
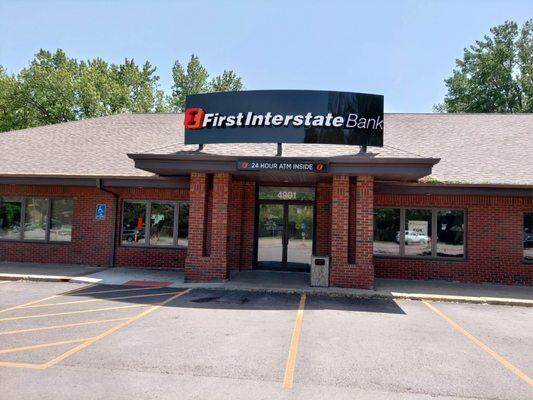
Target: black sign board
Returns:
[[281, 165], [284, 116]]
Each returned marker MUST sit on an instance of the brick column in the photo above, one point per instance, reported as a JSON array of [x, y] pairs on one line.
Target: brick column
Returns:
[[197, 215], [202, 265], [364, 231], [342, 273], [219, 232], [340, 207], [248, 226]]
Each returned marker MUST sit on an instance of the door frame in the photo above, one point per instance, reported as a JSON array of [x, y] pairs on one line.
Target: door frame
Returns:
[[285, 204]]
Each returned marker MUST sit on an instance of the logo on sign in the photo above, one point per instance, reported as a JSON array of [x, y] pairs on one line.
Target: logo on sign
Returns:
[[194, 118]]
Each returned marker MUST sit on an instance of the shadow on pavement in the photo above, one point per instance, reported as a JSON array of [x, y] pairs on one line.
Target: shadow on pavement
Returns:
[[233, 300]]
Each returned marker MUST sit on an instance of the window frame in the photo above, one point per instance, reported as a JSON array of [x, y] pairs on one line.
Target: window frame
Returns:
[[148, 223], [47, 240], [434, 214], [524, 259]]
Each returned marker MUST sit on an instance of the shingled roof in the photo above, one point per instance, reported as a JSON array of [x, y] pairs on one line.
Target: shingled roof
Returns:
[[474, 148]]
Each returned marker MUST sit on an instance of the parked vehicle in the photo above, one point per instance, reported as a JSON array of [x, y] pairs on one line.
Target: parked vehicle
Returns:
[[413, 237], [528, 240], [132, 235]]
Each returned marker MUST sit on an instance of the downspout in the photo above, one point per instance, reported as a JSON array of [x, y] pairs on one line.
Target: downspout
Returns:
[[115, 222]]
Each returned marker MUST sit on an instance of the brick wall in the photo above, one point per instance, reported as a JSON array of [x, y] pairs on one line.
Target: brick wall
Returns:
[[360, 272], [204, 264], [493, 241], [226, 236], [323, 219], [92, 240]]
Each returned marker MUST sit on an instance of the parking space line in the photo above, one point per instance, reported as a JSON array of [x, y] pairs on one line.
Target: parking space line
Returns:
[[480, 344], [46, 298], [42, 345], [74, 312], [120, 290], [46, 328], [10, 364], [112, 330], [291, 359], [96, 300]]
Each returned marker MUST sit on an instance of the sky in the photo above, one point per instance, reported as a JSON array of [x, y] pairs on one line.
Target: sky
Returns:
[[401, 49]]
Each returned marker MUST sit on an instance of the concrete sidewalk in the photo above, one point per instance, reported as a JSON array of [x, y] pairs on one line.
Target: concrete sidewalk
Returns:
[[274, 281], [45, 272]]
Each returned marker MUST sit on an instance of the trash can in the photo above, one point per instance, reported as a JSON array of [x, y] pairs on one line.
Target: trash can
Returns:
[[320, 271]]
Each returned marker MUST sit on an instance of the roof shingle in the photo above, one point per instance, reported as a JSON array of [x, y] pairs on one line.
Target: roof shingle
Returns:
[[474, 148]]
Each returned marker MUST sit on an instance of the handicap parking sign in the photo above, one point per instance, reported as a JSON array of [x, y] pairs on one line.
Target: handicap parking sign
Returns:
[[100, 211]]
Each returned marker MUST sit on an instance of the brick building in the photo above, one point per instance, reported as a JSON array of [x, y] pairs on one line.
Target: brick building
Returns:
[[447, 197]]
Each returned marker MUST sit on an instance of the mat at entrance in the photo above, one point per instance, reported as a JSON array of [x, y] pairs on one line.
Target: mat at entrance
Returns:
[[148, 283]]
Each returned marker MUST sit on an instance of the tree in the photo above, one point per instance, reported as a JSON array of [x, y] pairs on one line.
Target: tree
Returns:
[[196, 80], [227, 82], [495, 74], [11, 114], [55, 88], [47, 88]]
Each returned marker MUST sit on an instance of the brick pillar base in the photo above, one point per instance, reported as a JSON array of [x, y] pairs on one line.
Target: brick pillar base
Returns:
[[361, 273], [208, 264]]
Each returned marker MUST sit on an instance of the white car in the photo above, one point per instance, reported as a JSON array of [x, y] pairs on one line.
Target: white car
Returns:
[[413, 237]]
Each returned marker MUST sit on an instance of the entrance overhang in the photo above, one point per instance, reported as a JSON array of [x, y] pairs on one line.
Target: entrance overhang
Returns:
[[384, 169]]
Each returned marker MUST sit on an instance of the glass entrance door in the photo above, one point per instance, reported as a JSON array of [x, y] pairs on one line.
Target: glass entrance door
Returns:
[[299, 235], [270, 235], [285, 235]]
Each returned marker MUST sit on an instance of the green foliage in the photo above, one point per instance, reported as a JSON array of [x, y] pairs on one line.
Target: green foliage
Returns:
[[227, 82], [196, 80], [495, 74], [54, 88]]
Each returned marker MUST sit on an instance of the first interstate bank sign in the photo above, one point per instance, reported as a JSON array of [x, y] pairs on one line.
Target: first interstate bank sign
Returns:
[[284, 116], [279, 165]]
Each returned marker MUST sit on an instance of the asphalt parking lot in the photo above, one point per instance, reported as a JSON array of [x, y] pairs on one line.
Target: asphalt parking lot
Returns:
[[64, 341]]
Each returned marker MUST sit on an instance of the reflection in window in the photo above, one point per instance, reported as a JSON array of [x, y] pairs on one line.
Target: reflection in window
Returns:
[[528, 236], [61, 220], [35, 219], [387, 231], [162, 229], [133, 223], [183, 224], [162, 224], [10, 212], [450, 233], [418, 232]]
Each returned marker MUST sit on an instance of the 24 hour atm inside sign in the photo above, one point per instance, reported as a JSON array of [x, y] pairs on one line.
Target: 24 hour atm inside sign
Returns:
[[284, 116]]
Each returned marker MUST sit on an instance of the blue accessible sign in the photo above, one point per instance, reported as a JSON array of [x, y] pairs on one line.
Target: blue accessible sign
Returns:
[[100, 211]]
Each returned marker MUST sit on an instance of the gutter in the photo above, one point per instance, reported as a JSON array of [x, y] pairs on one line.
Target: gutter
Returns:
[[115, 222]]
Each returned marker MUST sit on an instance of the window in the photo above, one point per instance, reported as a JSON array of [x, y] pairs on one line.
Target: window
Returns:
[[133, 223], [450, 233], [61, 220], [387, 231], [528, 236], [162, 224], [155, 223], [36, 219], [10, 222], [183, 225], [418, 232]]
